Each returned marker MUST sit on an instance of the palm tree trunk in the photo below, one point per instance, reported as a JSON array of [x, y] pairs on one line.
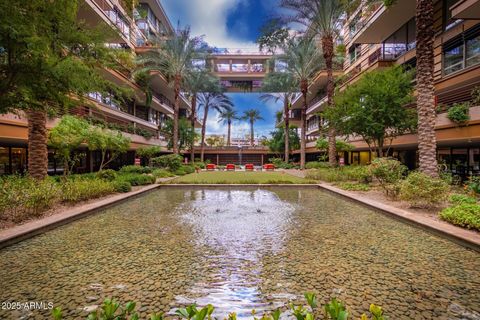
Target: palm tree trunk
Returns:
[[303, 142], [204, 123], [286, 112], [176, 112], [37, 144], [251, 133], [327, 45], [427, 144], [228, 132], [192, 119]]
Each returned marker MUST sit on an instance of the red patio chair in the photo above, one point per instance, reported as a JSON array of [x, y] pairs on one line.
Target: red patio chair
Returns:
[[230, 167], [269, 167], [249, 167], [211, 167]]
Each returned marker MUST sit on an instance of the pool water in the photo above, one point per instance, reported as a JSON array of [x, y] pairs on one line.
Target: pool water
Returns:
[[241, 249]]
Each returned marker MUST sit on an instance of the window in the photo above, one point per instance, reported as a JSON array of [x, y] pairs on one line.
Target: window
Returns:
[[462, 51], [19, 160], [401, 41], [354, 52], [473, 51], [453, 59], [4, 160]]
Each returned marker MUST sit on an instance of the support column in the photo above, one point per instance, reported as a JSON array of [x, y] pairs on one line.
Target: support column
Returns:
[[262, 159], [218, 159], [249, 66], [230, 64]]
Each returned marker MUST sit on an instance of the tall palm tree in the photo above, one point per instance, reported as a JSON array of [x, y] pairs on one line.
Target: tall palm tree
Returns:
[[252, 115], [281, 86], [322, 19], [303, 61], [227, 117], [196, 81], [215, 101], [427, 143], [173, 58]]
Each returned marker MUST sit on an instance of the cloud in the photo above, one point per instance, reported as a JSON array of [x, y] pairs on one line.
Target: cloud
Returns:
[[208, 18]]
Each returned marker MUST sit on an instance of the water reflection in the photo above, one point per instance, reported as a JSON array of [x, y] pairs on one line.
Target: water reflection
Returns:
[[241, 227]]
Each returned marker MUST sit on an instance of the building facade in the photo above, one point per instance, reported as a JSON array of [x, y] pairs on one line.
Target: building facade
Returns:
[[132, 35], [376, 37]]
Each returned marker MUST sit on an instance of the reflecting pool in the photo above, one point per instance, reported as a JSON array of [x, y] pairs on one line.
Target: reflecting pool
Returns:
[[241, 249]]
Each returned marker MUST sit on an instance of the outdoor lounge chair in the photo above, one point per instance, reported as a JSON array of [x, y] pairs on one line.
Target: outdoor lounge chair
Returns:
[[268, 167], [249, 167], [230, 167], [211, 167]]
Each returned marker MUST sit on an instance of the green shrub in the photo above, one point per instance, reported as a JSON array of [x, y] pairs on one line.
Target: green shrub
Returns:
[[171, 162], [162, 173], [122, 186], [461, 199], [473, 185], [21, 197], [135, 169], [388, 172], [341, 174], [279, 163], [107, 174], [465, 215], [421, 190], [354, 186], [199, 164], [459, 113], [317, 165], [84, 189], [136, 179], [188, 169], [180, 172]]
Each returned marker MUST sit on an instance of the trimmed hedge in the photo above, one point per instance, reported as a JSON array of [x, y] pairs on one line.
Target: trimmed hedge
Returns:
[[465, 215]]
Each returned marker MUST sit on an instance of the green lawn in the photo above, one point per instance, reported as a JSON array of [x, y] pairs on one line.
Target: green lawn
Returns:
[[239, 177]]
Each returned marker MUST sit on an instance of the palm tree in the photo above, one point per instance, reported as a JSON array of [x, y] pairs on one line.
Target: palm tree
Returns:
[[281, 86], [211, 100], [227, 117], [427, 143], [303, 61], [196, 81], [173, 58], [252, 115], [321, 17]]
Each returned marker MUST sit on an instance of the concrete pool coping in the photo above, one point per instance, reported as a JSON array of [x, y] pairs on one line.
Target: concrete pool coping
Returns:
[[19, 233]]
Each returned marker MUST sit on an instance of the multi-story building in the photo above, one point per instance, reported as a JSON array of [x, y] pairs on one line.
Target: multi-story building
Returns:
[[134, 118], [378, 37]]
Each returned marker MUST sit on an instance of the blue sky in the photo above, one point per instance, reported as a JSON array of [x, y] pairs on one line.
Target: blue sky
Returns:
[[232, 24]]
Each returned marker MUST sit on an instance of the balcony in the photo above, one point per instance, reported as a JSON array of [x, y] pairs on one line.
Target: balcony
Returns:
[[466, 9], [385, 21], [111, 13], [390, 52], [316, 103]]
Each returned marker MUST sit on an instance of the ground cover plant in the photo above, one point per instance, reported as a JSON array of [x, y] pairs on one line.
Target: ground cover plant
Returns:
[[331, 310], [240, 177]]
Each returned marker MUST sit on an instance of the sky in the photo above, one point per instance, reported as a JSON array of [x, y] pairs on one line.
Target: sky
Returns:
[[231, 24]]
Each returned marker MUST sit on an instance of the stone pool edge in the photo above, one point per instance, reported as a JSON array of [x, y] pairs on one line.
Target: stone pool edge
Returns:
[[464, 237], [30, 229]]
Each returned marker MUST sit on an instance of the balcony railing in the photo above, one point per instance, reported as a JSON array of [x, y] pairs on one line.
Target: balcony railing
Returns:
[[390, 52], [115, 16]]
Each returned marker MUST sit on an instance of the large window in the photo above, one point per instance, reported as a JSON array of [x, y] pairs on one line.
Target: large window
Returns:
[[401, 41], [4, 160], [462, 51]]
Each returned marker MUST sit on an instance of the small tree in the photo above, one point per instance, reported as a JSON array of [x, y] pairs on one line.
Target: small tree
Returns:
[[186, 136], [66, 137], [277, 143], [148, 153], [108, 142], [374, 108]]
